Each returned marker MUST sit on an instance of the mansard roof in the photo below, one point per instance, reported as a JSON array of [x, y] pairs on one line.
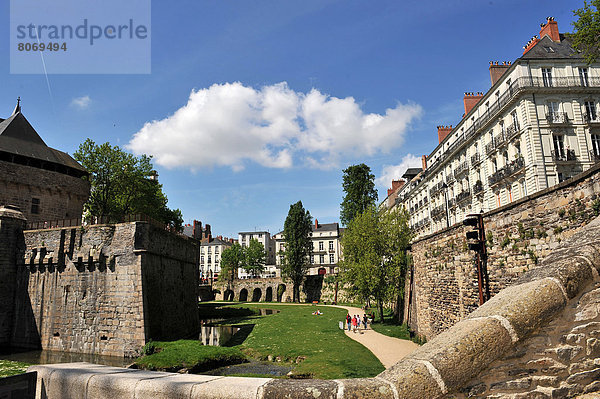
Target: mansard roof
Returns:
[[19, 138], [326, 227], [548, 49]]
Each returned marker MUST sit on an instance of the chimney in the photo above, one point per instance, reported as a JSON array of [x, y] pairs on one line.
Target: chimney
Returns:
[[470, 100], [316, 224], [396, 184], [197, 230], [207, 232], [424, 162], [443, 131], [550, 29], [530, 44], [496, 70]]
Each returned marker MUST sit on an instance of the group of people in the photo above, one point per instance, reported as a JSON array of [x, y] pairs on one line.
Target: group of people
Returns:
[[353, 322]]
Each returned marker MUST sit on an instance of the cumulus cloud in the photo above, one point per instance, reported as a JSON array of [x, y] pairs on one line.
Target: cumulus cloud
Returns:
[[81, 102], [231, 124], [395, 172]]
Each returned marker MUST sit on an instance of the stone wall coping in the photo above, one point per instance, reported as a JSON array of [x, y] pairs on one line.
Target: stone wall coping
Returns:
[[439, 367]]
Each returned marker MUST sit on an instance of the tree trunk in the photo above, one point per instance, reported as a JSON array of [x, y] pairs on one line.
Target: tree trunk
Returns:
[[380, 306], [400, 308]]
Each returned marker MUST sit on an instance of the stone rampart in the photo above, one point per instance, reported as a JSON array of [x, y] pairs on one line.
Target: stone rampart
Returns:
[[538, 338], [444, 288], [104, 289]]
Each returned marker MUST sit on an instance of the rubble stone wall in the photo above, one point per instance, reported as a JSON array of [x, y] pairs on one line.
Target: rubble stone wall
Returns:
[[444, 287]]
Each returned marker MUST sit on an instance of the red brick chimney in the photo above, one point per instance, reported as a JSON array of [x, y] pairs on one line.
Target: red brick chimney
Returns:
[[424, 162], [396, 184], [316, 224], [470, 100], [496, 70], [443, 131], [550, 29]]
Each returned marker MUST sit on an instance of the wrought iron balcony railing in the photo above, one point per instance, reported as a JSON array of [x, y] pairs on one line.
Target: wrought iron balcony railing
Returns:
[[478, 187], [490, 147], [435, 190], [438, 212], [513, 131], [563, 156], [463, 196], [475, 159], [595, 156], [591, 118], [557, 117], [461, 168], [507, 171]]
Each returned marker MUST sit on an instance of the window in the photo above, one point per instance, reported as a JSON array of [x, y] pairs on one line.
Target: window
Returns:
[[202, 259], [331, 258], [505, 156], [596, 145], [553, 110], [583, 76], [209, 249], [216, 250], [312, 246], [209, 259], [547, 77], [558, 143], [502, 129], [590, 111], [321, 246], [518, 149], [321, 258], [515, 119], [331, 245], [312, 259], [494, 166], [35, 206], [509, 190], [560, 177], [260, 235]]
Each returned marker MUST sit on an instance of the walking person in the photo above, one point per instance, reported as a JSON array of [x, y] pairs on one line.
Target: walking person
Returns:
[[354, 324], [365, 321], [348, 321]]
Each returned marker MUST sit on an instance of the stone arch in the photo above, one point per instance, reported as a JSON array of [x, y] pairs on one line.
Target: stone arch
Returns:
[[243, 295], [280, 292], [256, 294], [228, 295], [269, 294]]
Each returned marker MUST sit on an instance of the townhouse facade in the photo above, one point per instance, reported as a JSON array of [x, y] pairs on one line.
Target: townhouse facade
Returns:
[[264, 237], [210, 257], [536, 126], [325, 248]]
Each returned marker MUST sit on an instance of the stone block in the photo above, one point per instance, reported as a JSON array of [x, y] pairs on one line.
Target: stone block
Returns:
[[175, 386], [412, 380], [366, 388], [122, 385], [276, 389], [593, 347]]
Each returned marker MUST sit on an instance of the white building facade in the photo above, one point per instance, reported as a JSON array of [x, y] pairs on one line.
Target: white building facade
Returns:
[[210, 257], [537, 126], [264, 237]]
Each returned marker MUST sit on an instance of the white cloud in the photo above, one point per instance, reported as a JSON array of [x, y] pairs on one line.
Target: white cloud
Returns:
[[81, 102], [395, 172], [231, 124]]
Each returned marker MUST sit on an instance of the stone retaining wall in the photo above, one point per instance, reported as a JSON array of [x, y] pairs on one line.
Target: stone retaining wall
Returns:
[[444, 289], [537, 338]]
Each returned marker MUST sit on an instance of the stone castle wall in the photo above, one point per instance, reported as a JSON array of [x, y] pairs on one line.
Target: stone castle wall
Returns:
[[105, 289], [444, 287], [61, 196]]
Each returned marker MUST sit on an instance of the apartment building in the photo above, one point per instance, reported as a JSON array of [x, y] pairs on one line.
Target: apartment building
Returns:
[[536, 126], [264, 237], [325, 248], [210, 256]]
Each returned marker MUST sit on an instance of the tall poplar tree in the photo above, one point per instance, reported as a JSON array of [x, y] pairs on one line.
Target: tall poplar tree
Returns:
[[586, 37], [296, 230], [359, 186]]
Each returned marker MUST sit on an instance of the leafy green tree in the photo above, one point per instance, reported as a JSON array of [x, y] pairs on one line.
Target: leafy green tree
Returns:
[[255, 258], [232, 259], [296, 230], [120, 185], [375, 259], [359, 186], [586, 37]]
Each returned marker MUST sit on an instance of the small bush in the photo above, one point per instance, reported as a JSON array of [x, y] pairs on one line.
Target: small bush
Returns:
[[561, 212], [558, 230]]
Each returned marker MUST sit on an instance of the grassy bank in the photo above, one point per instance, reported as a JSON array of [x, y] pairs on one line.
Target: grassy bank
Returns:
[[8, 367], [392, 328], [314, 345]]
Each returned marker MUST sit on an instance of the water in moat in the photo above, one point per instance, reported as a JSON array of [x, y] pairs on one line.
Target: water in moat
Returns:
[[50, 357]]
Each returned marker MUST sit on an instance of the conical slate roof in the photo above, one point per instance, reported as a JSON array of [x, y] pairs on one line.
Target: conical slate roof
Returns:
[[18, 137]]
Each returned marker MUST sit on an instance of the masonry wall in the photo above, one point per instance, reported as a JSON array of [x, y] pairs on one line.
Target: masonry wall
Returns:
[[61, 196], [105, 289], [444, 287]]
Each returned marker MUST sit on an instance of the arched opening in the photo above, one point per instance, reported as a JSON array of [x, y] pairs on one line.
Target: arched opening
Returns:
[[243, 295], [256, 294], [269, 294], [228, 296], [322, 271], [280, 292]]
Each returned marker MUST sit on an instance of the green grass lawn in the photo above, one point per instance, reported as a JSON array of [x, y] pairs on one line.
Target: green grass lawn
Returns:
[[315, 345], [8, 367], [392, 328]]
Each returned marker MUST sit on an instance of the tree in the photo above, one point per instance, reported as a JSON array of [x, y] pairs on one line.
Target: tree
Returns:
[[375, 259], [296, 230], [121, 185], [359, 186], [255, 258], [586, 37], [232, 258]]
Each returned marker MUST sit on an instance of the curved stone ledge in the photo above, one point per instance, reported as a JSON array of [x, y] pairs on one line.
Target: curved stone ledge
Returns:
[[441, 366]]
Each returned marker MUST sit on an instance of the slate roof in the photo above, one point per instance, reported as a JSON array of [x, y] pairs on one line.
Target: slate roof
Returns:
[[325, 227], [546, 48], [411, 172], [18, 137]]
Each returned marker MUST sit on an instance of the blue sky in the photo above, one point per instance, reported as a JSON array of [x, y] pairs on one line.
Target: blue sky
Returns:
[[254, 105]]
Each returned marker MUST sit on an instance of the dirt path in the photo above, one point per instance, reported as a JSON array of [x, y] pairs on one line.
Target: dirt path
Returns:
[[387, 349]]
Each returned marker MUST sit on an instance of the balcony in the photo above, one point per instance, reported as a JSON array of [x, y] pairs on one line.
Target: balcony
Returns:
[[461, 168], [436, 189], [507, 171], [475, 159], [490, 147], [452, 203], [595, 156], [478, 187], [438, 212], [500, 140], [557, 118], [592, 118], [463, 197], [450, 179], [563, 156], [513, 131]]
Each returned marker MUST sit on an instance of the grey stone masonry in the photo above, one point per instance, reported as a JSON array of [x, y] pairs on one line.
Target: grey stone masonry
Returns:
[[538, 338]]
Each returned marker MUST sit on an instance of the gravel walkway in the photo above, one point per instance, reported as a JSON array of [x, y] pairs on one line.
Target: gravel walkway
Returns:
[[387, 349]]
